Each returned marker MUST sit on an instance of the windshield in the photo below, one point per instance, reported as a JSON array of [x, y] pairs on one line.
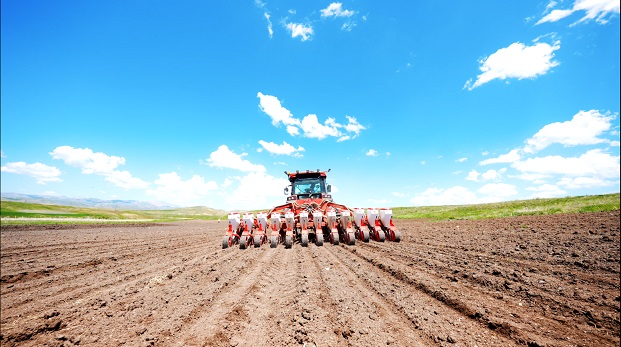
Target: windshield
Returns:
[[304, 186]]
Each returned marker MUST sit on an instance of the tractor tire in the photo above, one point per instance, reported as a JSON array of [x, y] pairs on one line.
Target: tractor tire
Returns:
[[273, 241], [397, 236], [351, 239], [335, 238], [319, 240], [381, 236], [225, 242], [304, 240], [288, 241], [365, 235], [257, 241], [242, 242]]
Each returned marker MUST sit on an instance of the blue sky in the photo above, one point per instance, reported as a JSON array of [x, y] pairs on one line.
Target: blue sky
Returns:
[[408, 102]]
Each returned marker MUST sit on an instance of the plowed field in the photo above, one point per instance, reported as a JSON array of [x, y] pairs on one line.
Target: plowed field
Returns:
[[536, 280]]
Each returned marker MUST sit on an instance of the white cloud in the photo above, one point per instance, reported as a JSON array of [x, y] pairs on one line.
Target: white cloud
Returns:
[[40, 172], [335, 9], [171, 188], [125, 180], [223, 157], [284, 149], [310, 125], [473, 176], [302, 30], [598, 10], [485, 153], [535, 178], [256, 190], [512, 156], [456, 195], [546, 191], [461, 160], [98, 163], [554, 16], [594, 163], [371, 153], [497, 191], [586, 182], [348, 26], [583, 129], [399, 194], [516, 61], [271, 106], [2, 155], [353, 126], [270, 30], [84, 158], [491, 175], [313, 129]]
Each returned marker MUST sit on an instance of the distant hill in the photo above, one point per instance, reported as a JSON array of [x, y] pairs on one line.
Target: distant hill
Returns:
[[88, 202]]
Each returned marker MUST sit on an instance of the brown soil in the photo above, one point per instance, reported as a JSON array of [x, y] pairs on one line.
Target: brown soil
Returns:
[[536, 281]]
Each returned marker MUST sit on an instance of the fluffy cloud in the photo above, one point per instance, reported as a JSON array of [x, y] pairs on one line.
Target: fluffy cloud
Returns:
[[271, 106], [284, 149], [497, 192], [313, 129], [371, 153], [267, 16], [84, 158], [583, 129], [516, 61], [598, 10], [40, 172], [171, 188], [457, 195], [546, 191], [302, 30], [489, 175], [309, 125], [125, 180], [594, 163], [473, 176], [335, 9], [512, 156], [586, 182], [256, 190], [98, 163], [223, 157], [452, 196], [461, 160]]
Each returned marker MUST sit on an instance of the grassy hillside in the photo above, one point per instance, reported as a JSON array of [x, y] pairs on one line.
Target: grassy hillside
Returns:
[[13, 209], [576, 204]]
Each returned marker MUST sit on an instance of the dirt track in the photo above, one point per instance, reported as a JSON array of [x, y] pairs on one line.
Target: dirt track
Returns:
[[537, 281]]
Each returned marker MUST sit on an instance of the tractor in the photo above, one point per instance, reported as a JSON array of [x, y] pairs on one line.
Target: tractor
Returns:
[[309, 216]]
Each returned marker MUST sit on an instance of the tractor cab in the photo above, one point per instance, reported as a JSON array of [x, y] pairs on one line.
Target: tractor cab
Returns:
[[308, 185]]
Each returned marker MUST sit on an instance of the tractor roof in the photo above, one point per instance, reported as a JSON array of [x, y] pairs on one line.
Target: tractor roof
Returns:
[[305, 174]]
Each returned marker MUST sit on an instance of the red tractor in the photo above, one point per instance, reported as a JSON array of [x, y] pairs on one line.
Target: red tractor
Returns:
[[310, 215]]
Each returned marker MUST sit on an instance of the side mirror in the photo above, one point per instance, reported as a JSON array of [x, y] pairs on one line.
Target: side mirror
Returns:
[[328, 188], [286, 190]]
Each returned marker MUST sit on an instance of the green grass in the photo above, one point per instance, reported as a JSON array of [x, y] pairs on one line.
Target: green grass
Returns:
[[11, 209], [576, 204]]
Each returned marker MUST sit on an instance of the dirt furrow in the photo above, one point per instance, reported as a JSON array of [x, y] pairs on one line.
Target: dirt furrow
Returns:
[[363, 316], [540, 280]]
